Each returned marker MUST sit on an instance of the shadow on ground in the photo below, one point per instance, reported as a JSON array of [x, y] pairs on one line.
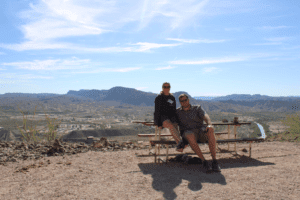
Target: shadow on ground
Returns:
[[167, 176]]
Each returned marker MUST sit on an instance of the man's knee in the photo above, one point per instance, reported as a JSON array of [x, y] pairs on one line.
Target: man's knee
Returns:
[[210, 133]]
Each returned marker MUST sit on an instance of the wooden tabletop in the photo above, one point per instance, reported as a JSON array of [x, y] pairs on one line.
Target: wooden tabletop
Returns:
[[213, 123]]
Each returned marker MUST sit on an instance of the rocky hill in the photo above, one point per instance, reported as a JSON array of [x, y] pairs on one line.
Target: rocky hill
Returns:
[[123, 95]]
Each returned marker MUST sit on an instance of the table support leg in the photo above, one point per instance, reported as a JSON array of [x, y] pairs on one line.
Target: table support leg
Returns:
[[167, 153], [250, 149], [228, 135], [234, 130]]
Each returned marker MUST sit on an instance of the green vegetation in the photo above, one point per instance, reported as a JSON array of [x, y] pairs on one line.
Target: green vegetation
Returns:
[[293, 121], [52, 127], [256, 131], [293, 133], [30, 133]]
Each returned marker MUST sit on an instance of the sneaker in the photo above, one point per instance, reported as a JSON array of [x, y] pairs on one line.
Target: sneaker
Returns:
[[215, 166], [206, 166]]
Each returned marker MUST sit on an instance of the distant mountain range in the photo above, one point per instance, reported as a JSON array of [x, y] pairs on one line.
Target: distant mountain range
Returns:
[[246, 97], [123, 95]]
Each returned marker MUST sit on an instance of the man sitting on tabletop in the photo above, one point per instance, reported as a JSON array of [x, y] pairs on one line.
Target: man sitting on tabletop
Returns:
[[193, 130]]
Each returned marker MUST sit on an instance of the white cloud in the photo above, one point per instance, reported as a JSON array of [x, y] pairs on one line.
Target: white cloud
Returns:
[[136, 47], [208, 61], [36, 45], [31, 76], [196, 41], [210, 69], [179, 13], [101, 70], [63, 64], [47, 21], [274, 41], [164, 68], [145, 46], [56, 19], [12, 78], [57, 64], [123, 69], [7, 82]]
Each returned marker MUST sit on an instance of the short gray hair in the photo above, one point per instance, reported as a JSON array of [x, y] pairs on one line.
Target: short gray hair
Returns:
[[183, 95]]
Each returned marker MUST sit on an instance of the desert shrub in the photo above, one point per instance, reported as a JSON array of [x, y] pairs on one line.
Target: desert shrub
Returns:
[[293, 122], [52, 125], [256, 130], [29, 133], [293, 132]]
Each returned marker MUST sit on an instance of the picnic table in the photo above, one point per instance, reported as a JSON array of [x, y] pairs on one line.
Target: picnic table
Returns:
[[158, 141]]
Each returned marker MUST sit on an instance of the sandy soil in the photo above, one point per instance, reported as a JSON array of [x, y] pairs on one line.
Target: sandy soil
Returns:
[[272, 173]]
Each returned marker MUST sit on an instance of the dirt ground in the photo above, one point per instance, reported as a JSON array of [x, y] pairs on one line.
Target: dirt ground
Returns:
[[272, 173]]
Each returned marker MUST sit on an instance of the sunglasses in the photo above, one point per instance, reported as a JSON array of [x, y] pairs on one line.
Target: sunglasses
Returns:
[[183, 100], [166, 87]]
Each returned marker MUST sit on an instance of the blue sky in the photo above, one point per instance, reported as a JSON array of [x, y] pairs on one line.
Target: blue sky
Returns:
[[204, 47]]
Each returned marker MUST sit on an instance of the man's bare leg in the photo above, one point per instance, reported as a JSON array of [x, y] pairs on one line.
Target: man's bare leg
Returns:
[[194, 145], [174, 130], [212, 143]]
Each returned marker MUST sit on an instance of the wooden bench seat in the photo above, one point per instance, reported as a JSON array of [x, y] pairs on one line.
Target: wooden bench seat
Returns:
[[153, 135], [170, 142], [165, 135]]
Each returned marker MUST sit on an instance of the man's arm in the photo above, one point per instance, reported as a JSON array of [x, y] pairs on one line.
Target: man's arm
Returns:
[[207, 120]]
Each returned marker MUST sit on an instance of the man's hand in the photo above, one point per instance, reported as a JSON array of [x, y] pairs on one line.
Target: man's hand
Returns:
[[160, 127], [209, 127]]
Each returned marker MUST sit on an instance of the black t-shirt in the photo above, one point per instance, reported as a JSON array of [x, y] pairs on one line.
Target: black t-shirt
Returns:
[[164, 105]]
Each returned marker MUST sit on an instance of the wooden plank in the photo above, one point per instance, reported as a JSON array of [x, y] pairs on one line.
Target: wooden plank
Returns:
[[241, 140], [178, 153], [213, 123], [152, 135], [221, 133], [217, 141], [164, 135]]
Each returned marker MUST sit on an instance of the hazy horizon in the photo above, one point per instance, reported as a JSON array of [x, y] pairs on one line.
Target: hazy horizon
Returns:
[[151, 92]]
